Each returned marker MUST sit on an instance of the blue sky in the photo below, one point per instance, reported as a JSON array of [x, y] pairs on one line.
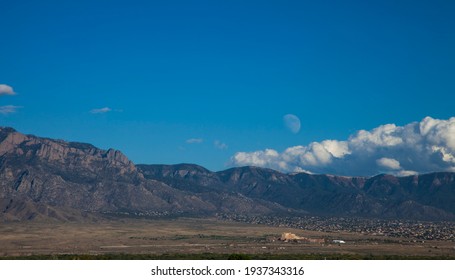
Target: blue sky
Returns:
[[225, 73]]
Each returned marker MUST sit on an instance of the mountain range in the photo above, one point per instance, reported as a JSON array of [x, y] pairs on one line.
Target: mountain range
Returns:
[[43, 178]]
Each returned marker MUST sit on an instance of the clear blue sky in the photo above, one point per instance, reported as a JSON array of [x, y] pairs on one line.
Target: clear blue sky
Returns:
[[176, 76]]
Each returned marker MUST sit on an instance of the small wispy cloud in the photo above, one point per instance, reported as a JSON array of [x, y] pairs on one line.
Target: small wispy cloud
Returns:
[[220, 145], [194, 141], [9, 109], [101, 110], [6, 90]]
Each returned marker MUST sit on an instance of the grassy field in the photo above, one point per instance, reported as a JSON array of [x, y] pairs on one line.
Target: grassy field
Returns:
[[186, 238]]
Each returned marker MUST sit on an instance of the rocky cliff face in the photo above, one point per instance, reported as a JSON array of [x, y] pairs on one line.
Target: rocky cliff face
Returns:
[[25, 149], [42, 177], [62, 173]]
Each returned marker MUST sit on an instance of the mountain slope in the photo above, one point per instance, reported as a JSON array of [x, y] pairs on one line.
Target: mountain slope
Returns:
[[40, 171], [428, 196]]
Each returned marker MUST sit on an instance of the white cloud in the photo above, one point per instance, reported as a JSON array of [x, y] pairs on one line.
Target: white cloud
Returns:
[[220, 145], [389, 163], [337, 149], [9, 109], [403, 173], [292, 123], [417, 147], [194, 141], [101, 110], [6, 90], [267, 157]]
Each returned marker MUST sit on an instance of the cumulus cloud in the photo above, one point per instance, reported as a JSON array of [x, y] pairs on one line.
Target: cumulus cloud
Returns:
[[194, 141], [9, 109], [418, 147], [6, 90], [292, 123], [220, 145], [101, 110], [389, 163]]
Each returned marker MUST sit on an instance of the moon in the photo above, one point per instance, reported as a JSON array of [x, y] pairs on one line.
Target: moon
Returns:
[[292, 123]]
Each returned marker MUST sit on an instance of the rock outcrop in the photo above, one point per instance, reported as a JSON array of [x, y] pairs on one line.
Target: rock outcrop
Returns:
[[291, 237]]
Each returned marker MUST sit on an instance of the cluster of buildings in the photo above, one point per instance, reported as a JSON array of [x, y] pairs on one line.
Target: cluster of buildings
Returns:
[[418, 230]]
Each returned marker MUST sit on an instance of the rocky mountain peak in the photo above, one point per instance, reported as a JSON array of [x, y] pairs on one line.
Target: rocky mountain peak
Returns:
[[10, 139], [68, 155], [6, 130], [118, 159]]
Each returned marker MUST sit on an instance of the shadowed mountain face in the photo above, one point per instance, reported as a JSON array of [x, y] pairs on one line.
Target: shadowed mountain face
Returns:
[[429, 196], [42, 177]]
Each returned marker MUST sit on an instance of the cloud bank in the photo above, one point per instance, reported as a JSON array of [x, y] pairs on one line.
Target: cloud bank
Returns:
[[418, 147], [6, 90]]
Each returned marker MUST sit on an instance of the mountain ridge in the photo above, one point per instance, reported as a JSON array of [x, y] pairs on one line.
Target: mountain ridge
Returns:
[[36, 173]]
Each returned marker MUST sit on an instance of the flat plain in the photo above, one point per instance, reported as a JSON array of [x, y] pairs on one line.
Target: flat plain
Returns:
[[155, 238]]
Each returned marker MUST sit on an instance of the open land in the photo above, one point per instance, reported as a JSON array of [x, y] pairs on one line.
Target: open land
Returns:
[[193, 238]]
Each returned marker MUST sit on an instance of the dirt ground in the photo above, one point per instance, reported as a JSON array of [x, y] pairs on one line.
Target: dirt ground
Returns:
[[193, 236]]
